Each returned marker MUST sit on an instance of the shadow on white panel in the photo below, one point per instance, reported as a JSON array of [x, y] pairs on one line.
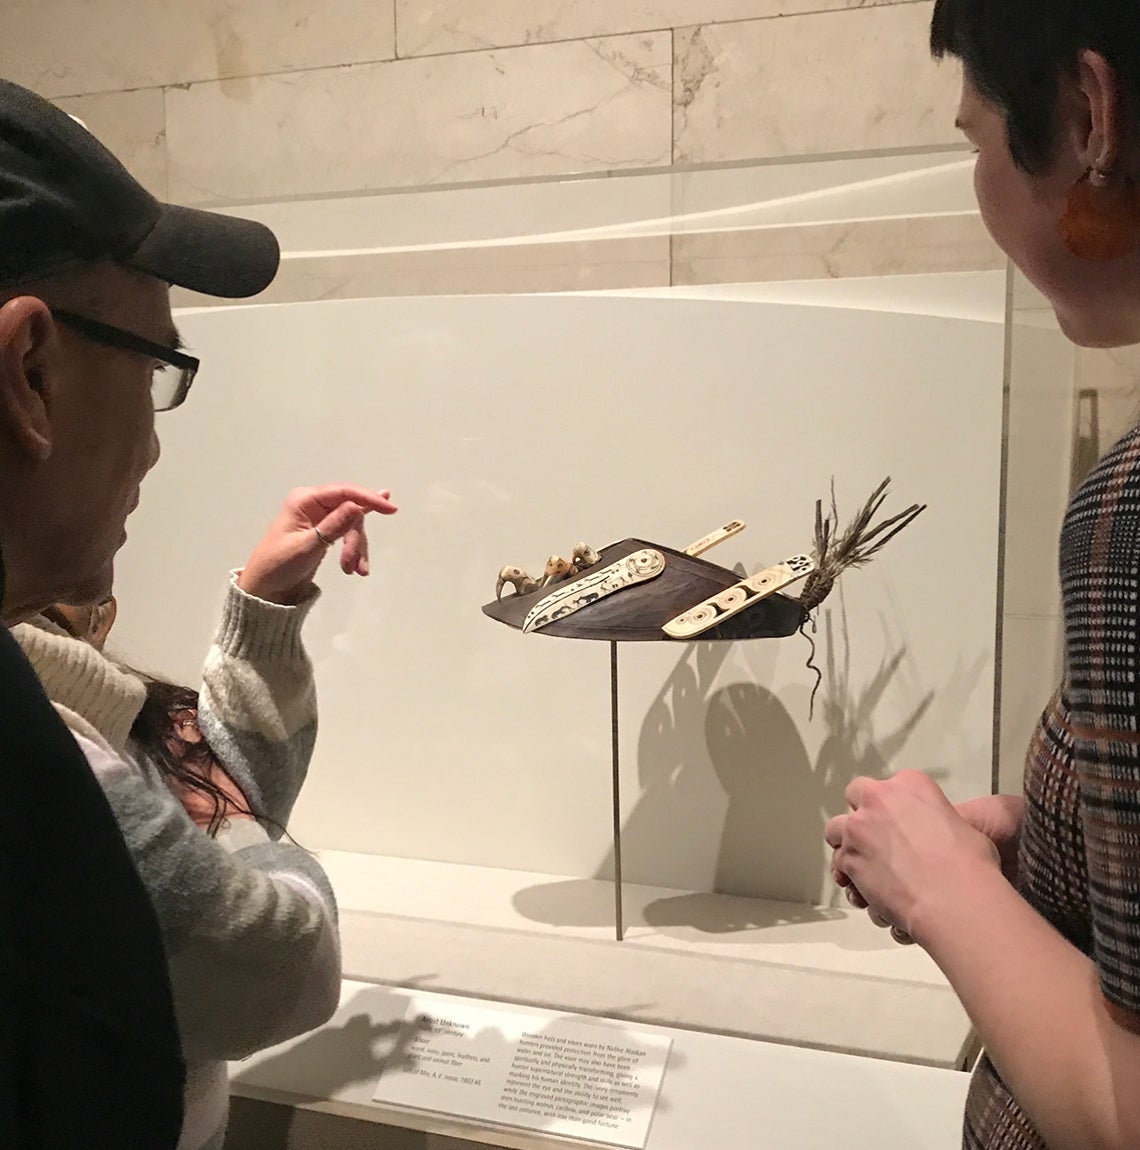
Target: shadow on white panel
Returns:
[[511, 427]]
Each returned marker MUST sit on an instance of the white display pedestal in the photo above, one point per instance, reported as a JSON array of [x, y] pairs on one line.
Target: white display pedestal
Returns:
[[781, 972], [728, 1092]]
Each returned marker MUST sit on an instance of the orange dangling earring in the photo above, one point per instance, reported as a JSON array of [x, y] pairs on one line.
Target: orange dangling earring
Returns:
[[1102, 217]]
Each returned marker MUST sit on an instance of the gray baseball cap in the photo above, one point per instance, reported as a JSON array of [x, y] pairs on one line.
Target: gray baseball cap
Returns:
[[65, 200]]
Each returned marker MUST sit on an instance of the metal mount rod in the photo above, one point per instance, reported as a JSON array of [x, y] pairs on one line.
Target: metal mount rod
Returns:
[[619, 925]]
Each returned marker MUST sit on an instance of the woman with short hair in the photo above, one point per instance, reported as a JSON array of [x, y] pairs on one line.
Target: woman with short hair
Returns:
[[1031, 904]]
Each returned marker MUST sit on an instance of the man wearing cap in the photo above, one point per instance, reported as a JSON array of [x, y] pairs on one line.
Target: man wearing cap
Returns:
[[88, 352]]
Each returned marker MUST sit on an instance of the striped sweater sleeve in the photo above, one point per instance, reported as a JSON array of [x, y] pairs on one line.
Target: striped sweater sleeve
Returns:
[[257, 704], [250, 936], [248, 924]]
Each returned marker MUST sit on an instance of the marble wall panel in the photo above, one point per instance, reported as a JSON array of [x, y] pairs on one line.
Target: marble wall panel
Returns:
[[642, 262], [133, 126], [74, 47], [591, 105], [861, 248], [829, 82], [433, 26]]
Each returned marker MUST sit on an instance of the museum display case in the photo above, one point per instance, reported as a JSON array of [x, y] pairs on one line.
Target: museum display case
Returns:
[[530, 365]]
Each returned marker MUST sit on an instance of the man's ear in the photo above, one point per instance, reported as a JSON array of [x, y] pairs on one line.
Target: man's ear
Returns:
[[27, 342]]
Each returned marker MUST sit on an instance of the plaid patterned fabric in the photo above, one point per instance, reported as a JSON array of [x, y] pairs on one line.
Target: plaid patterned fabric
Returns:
[[1079, 859]]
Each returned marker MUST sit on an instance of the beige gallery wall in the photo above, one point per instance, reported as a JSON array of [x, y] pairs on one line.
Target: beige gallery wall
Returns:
[[236, 100]]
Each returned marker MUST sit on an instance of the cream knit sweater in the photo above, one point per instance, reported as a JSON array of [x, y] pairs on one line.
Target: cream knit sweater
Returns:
[[248, 922]]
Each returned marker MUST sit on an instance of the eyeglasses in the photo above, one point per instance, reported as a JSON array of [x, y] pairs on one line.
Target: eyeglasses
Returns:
[[168, 388]]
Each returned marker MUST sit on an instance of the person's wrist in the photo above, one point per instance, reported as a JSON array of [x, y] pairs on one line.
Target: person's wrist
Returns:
[[265, 590], [247, 581], [939, 905], [282, 596]]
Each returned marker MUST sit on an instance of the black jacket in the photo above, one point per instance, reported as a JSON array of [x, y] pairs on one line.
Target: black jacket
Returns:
[[89, 1049]]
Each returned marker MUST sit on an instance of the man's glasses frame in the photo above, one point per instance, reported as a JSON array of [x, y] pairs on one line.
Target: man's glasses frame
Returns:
[[167, 392]]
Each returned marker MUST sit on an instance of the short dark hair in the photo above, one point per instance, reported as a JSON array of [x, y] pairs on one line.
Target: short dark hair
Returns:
[[1016, 51]]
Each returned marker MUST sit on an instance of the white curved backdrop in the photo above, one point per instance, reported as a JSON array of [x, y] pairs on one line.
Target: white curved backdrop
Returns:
[[511, 427]]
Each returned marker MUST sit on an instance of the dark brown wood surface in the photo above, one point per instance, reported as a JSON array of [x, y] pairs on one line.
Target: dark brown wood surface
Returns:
[[637, 614]]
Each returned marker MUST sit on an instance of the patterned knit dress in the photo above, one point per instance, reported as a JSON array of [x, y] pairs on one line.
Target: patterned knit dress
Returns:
[[1079, 855]]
